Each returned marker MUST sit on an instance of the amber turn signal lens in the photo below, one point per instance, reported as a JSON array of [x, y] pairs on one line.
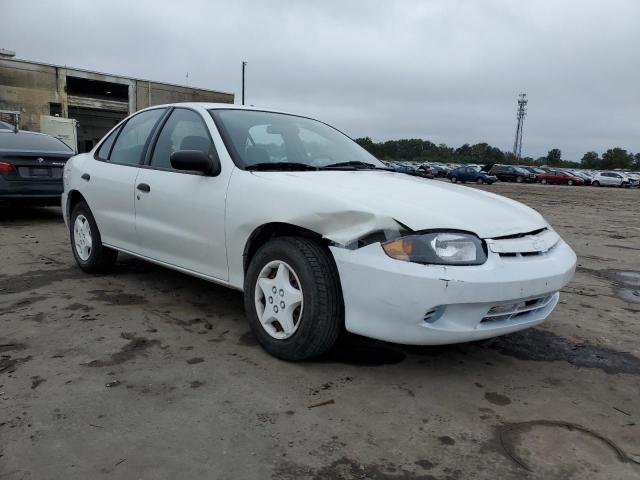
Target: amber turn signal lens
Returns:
[[400, 249]]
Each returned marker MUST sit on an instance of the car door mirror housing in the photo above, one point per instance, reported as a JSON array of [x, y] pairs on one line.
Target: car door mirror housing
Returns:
[[195, 161]]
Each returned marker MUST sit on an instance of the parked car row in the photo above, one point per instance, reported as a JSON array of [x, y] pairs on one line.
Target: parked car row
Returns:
[[491, 173], [562, 176]]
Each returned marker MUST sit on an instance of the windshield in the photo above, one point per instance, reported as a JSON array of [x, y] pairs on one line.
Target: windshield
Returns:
[[259, 138]]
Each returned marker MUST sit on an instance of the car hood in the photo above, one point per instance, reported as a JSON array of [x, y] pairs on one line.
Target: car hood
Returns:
[[416, 202]]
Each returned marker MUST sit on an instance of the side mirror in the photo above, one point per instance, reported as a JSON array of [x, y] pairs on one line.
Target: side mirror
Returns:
[[195, 161]]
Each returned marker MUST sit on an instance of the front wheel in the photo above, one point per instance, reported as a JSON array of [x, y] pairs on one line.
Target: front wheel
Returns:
[[596, 183], [293, 299], [543, 181], [570, 183], [86, 243], [454, 179], [519, 179]]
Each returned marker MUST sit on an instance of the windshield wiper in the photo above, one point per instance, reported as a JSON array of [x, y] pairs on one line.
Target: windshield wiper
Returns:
[[358, 165], [280, 166]]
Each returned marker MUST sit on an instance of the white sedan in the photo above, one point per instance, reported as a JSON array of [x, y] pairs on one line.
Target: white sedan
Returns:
[[319, 235]]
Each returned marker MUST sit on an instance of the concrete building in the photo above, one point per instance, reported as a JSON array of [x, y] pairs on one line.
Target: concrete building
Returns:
[[96, 100]]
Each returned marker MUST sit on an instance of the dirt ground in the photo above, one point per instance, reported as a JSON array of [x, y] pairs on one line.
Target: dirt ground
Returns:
[[147, 373]]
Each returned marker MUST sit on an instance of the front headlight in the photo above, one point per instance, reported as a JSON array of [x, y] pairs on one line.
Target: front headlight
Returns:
[[438, 248]]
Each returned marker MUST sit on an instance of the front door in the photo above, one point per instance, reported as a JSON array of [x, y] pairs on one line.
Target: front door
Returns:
[[180, 215]]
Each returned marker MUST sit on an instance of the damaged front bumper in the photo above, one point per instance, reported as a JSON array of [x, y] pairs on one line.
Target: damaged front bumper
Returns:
[[418, 304]]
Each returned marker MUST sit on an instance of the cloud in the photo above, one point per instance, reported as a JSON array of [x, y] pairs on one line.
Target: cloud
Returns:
[[445, 71]]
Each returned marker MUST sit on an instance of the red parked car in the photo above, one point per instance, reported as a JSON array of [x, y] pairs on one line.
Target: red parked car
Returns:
[[559, 177]]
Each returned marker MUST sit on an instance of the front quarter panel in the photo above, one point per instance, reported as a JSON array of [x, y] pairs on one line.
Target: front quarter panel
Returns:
[[257, 198]]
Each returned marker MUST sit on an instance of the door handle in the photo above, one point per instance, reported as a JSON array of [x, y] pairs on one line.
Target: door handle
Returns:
[[85, 176], [143, 187]]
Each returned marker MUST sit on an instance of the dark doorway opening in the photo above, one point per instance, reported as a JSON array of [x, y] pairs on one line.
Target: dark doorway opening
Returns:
[[99, 89], [93, 124]]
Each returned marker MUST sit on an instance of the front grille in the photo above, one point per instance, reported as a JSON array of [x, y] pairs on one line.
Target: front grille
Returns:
[[510, 311], [532, 244], [520, 254]]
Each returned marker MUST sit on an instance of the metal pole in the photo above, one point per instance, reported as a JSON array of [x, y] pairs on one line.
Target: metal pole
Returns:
[[244, 64]]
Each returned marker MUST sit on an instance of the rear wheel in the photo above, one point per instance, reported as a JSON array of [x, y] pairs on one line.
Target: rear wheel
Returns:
[[543, 181], [454, 179], [479, 181], [595, 183], [519, 179], [293, 299], [570, 182], [86, 243]]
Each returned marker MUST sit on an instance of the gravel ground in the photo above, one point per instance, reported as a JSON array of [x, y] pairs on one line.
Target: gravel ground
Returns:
[[147, 373]]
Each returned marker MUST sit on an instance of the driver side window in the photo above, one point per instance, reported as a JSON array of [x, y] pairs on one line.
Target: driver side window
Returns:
[[183, 130]]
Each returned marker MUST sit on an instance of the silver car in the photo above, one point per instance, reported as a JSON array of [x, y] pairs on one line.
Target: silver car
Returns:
[[610, 179]]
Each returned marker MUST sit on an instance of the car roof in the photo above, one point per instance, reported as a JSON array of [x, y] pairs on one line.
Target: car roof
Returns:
[[216, 106]]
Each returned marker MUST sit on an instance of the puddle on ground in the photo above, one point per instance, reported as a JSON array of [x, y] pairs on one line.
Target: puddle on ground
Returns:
[[555, 449], [543, 346], [624, 283], [627, 285]]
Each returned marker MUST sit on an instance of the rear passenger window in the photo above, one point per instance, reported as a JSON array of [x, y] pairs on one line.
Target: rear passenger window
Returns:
[[105, 148], [184, 130], [130, 143]]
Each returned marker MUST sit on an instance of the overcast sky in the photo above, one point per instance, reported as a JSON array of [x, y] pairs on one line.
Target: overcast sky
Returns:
[[446, 71]]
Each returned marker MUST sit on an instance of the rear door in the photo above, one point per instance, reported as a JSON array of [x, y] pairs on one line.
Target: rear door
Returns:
[[606, 179], [180, 215], [506, 173], [616, 179], [470, 174], [110, 179]]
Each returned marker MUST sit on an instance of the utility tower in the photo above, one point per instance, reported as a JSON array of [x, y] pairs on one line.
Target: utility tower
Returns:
[[522, 111]]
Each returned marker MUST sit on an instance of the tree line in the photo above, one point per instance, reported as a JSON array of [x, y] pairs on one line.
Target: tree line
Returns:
[[418, 150]]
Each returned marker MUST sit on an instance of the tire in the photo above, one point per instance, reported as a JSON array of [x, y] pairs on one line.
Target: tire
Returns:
[[543, 181], [595, 183], [320, 318], [479, 181], [570, 183], [454, 179], [91, 256], [519, 179]]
